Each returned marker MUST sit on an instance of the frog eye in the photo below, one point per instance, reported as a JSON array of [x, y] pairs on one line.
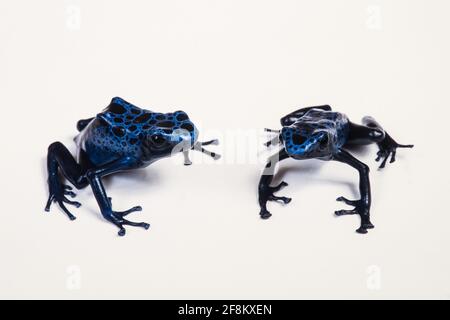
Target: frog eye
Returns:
[[157, 140]]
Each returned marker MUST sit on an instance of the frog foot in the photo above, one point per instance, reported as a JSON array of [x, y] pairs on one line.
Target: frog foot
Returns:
[[388, 147], [267, 194], [120, 222], [361, 209], [59, 193], [126, 212], [117, 217]]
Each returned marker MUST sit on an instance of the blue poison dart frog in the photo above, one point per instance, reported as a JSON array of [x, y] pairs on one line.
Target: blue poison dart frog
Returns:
[[122, 137], [320, 133]]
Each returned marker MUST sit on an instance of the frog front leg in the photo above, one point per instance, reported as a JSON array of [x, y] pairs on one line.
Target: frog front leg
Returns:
[[95, 180], [59, 159], [361, 206], [266, 192]]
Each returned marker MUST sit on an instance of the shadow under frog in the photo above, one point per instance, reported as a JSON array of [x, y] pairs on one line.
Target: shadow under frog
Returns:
[[122, 137], [320, 133]]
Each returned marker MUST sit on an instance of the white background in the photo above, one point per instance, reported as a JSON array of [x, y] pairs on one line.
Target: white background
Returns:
[[233, 66]]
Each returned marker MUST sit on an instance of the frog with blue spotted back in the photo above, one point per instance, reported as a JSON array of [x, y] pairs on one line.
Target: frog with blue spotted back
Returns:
[[320, 133], [122, 137]]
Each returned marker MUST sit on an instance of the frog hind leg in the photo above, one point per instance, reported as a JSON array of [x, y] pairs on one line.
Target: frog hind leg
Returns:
[[60, 160], [372, 132], [364, 135]]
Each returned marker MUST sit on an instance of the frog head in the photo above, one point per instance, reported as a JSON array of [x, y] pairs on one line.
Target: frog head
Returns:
[[172, 133], [157, 135], [304, 144]]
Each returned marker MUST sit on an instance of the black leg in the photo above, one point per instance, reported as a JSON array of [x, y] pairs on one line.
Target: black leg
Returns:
[[362, 206], [94, 176], [60, 158], [363, 135], [266, 192], [372, 132]]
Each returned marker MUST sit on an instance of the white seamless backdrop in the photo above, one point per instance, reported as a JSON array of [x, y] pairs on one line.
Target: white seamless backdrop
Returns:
[[235, 67]]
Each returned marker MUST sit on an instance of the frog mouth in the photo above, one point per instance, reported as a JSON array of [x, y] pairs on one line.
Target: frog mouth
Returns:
[[198, 146]]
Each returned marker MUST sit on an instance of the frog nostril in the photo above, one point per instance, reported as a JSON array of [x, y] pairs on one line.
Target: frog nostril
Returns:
[[187, 126], [182, 116]]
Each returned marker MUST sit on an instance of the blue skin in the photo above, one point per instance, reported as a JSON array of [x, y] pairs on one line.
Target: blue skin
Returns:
[[122, 137], [320, 133]]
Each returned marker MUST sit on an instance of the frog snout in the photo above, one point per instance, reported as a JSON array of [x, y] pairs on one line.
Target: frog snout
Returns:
[[186, 131]]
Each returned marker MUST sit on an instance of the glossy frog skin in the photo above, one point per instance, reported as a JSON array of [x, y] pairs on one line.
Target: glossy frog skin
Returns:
[[122, 137], [320, 133]]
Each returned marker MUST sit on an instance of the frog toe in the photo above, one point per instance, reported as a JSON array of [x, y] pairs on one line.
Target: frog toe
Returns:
[[388, 149], [268, 193], [124, 222], [121, 214], [59, 196], [285, 200], [345, 212], [127, 212], [347, 201], [120, 222], [73, 203], [144, 225], [365, 226], [264, 214], [70, 194], [361, 230], [280, 186], [49, 203], [368, 225], [66, 211]]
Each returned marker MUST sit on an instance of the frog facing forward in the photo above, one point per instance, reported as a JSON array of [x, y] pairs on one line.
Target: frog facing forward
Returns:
[[122, 137], [320, 133]]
